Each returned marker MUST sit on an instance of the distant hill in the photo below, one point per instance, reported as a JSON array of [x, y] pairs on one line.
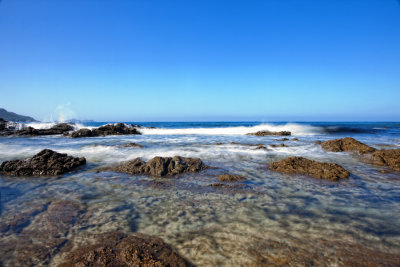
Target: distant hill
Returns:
[[11, 116]]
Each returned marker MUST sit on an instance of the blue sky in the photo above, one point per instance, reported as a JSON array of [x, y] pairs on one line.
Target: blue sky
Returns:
[[201, 59]]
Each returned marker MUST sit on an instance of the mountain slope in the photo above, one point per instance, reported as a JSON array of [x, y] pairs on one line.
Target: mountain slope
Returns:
[[11, 116]]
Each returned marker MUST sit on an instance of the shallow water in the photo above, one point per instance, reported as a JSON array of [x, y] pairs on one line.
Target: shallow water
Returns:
[[270, 219]]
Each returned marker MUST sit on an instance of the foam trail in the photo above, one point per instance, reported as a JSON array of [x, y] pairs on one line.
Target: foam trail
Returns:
[[295, 129]]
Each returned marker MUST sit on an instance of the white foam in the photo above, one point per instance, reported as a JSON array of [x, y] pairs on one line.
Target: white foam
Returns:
[[295, 129]]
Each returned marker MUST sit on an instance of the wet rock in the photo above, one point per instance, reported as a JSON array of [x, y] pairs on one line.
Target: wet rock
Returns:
[[312, 168], [133, 145], [261, 147], [118, 249], [389, 157], [346, 144], [283, 139], [109, 129], [42, 237], [45, 163], [295, 139], [60, 128], [264, 133], [230, 178], [318, 142], [218, 144], [161, 166]]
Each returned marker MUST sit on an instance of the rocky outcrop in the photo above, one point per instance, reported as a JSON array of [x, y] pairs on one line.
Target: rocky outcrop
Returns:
[[389, 157], [230, 178], [161, 166], [109, 129], [45, 163], [312, 168], [264, 133], [60, 128], [119, 249], [133, 145], [346, 144]]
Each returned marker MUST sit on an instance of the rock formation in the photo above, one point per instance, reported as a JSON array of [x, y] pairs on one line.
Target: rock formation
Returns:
[[45, 163], [346, 144], [161, 166], [312, 168], [109, 129], [264, 133]]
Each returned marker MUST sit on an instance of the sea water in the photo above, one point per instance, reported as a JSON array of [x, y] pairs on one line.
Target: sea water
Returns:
[[270, 217]]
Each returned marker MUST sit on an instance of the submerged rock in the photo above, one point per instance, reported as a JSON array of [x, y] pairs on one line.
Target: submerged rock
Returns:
[[280, 145], [264, 133], [312, 168], [389, 157], [109, 129], [133, 145], [118, 249], [161, 166], [230, 178], [346, 144], [45, 163]]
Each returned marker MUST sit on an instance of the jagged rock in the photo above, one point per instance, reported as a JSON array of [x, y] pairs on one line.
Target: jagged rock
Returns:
[[45, 163], [264, 133], [161, 166], [389, 157], [230, 178], [109, 129], [133, 145], [60, 128], [346, 144], [312, 168], [119, 249]]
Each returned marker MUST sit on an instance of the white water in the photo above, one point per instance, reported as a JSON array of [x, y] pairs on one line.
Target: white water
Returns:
[[295, 129]]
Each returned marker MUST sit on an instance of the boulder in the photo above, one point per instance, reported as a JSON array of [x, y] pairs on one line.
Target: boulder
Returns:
[[346, 144], [389, 157], [45, 163], [230, 178], [119, 249], [161, 166], [264, 133], [109, 129], [312, 168]]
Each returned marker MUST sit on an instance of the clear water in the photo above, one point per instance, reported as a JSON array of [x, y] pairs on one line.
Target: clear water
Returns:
[[212, 225]]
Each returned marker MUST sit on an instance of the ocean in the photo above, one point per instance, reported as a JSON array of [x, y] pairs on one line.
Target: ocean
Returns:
[[267, 220]]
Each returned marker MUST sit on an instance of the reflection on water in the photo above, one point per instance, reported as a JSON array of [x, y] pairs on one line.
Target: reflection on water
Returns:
[[270, 219]]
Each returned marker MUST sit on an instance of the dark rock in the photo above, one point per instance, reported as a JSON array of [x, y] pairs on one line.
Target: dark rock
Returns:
[[45, 163], [264, 133], [3, 124], [312, 168], [60, 128], [230, 178], [261, 147], [109, 129], [161, 166], [389, 157], [133, 145], [346, 144], [118, 249]]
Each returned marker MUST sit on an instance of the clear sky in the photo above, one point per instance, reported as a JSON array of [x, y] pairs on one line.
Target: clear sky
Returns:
[[147, 60]]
